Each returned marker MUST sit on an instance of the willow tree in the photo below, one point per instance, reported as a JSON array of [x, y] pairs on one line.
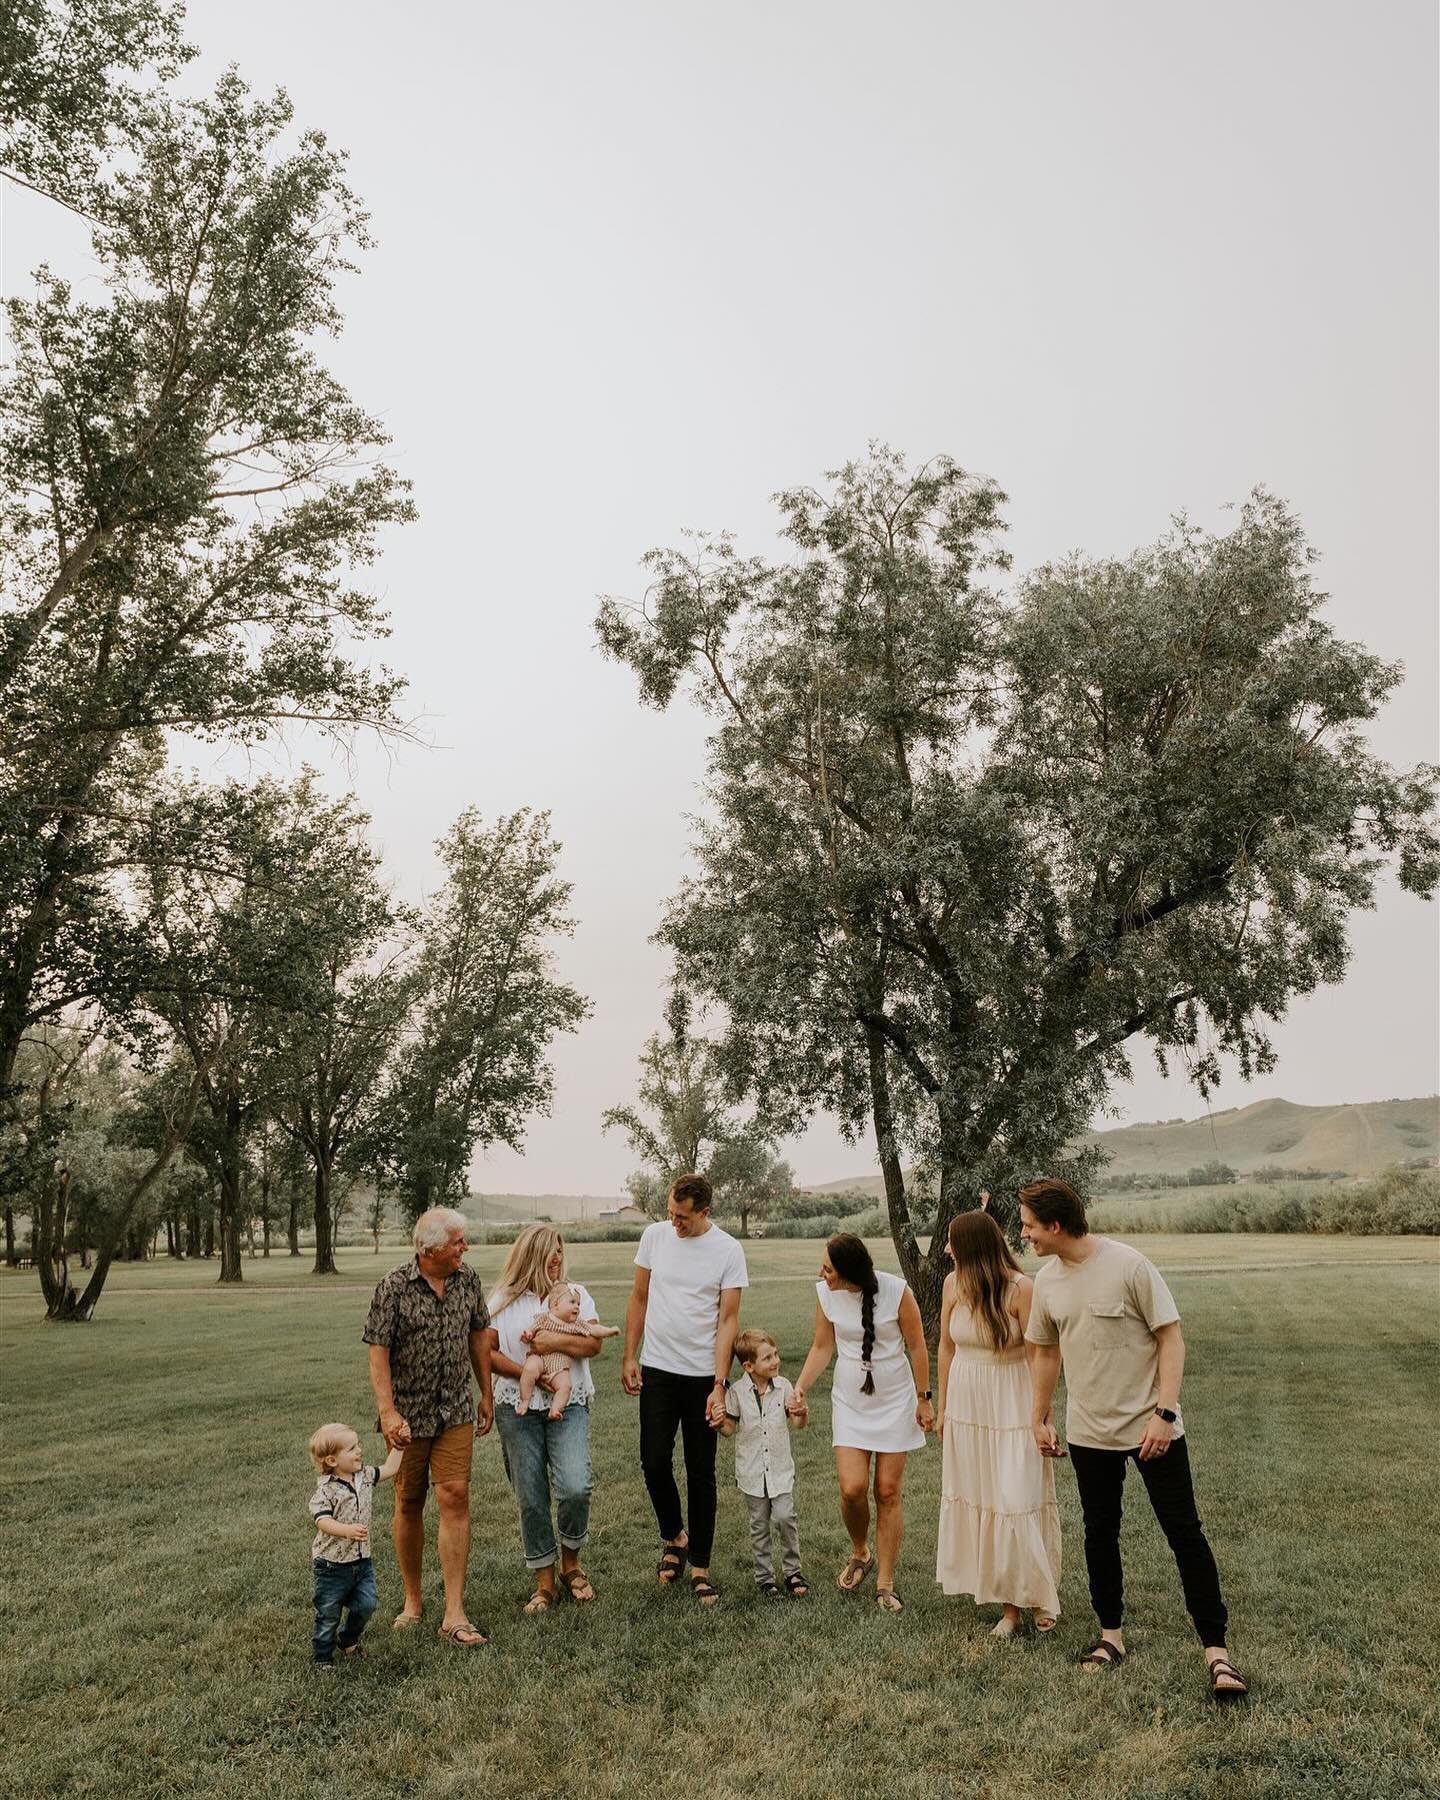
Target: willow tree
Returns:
[[964, 852]]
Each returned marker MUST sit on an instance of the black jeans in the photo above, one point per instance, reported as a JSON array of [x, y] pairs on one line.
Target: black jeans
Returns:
[[666, 1402], [1100, 1478]]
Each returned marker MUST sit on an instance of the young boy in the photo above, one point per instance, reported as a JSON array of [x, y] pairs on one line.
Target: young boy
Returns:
[[561, 1316], [758, 1417], [340, 1555]]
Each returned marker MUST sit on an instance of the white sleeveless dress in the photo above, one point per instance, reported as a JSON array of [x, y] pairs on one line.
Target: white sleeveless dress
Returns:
[[999, 1525], [884, 1420]]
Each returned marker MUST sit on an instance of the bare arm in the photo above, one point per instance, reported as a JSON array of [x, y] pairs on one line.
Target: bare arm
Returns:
[[947, 1346], [725, 1330], [480, 1362], [395, 1429], [391, 1463], [912, 1329], [573, 1343], [822, 1348], [634, 1331], [1170, 1346], [1044, 1362], [501, 1364]]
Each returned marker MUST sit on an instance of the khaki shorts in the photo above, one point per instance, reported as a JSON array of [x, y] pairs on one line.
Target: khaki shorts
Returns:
[[443, 1458]]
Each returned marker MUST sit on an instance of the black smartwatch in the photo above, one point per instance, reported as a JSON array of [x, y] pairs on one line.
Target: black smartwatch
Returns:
[[927, 1395], [1164, 1412]]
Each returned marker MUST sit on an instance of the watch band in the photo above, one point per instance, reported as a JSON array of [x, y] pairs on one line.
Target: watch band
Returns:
[[1164, 1412]]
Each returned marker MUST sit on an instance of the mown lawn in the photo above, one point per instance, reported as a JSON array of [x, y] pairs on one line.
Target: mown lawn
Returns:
[[155, 1603]]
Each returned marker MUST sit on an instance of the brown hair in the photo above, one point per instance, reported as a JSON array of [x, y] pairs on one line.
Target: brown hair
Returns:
[[1054, 1202], [327, 1442], [984, 1264], [852, 1262], [694, 1188], [747, 1345]]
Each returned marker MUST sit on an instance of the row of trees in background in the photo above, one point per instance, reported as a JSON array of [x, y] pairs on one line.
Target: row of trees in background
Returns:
[[200, 981]]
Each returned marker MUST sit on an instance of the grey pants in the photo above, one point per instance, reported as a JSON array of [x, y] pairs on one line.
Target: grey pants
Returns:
[[777, 1510]]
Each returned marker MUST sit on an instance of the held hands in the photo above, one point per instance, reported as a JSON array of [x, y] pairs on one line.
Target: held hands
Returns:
[[924, 1415], [715, 1407], [630, 1375], [1156, 1440], [1047, 1439], [394, 1429], [798, 1407]]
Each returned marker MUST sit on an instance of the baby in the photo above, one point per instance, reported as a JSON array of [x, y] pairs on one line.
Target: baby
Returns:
[[562, 1314]]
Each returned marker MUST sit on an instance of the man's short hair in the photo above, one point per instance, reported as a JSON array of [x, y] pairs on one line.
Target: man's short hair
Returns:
[[1054, 1202], [434, 1229], [693, 1188], [749, 1344]]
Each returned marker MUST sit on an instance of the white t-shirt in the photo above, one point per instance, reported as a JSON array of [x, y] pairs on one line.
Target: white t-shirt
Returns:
[[518, 1316], [687, 1277]]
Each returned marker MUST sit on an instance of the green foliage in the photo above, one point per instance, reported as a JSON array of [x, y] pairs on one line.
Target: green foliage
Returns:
[[959, 852], [475, 1065], [1396, 1203]]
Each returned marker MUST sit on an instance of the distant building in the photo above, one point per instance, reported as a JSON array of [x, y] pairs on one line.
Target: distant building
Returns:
[[628, 1214]]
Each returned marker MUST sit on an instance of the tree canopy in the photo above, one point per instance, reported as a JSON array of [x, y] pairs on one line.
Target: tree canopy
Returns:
[[964, 849]]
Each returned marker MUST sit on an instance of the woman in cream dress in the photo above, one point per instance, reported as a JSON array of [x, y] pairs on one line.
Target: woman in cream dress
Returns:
[[999, 1526]]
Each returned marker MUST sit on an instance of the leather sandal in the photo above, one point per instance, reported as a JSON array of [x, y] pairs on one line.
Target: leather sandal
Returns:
[[577, 1585], [704, 1590], [854, 1573], [672, 1561], [1222, 1666], [889, 1601], [1102, 1654]]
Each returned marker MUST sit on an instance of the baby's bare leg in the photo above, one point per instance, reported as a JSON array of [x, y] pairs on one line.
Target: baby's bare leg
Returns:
[[530, 1372], [560, 1394]]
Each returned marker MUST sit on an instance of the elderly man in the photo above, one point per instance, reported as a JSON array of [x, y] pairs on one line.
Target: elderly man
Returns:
[[427, 1329]]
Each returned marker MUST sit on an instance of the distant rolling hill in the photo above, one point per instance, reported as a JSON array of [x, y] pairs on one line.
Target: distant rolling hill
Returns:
[[1350, 1140]]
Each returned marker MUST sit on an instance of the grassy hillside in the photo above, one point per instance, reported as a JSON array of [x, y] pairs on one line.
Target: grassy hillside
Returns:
[[1349, 1140]]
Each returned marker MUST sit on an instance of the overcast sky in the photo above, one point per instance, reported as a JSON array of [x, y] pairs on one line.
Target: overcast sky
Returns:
[[639, 265]]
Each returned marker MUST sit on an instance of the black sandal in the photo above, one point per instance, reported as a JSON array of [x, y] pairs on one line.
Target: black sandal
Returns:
[[1102, 1654], [769, 1589], [672, 1561], [1221, 1666], [704, 1591], [799, 1587]]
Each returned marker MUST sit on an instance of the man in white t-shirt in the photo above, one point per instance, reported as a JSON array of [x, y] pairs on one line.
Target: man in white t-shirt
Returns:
[[1104, 1311], [686, 1302]]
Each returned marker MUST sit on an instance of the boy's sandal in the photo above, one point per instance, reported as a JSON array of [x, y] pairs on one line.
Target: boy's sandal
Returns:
[[704, 1591], [672, 1561], [1102, 1655], [854, 1573], [464, 1636], [889, 1601], [1221, 1667], [540, 1601], [770, 1589], [577, 1585], [799, 1587]]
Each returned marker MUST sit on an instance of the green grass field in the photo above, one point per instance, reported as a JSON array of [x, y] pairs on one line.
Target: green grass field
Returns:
[[156, 1596]]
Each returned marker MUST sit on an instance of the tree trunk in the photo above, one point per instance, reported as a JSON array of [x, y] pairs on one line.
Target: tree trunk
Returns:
[[209, 1249], [914, 1265], [293, 1233], [230, 1266], [51, 1258], [324, 1225], [11, 1257], [265, 1227], [172, 1238]]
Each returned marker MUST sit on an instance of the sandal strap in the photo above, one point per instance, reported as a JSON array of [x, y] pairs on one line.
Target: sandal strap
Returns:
[[701, 1588], [1103, 1651], [1223, 1666]]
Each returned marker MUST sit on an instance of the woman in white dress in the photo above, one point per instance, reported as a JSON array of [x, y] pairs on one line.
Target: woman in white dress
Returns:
[[999, 1526], [880, 1401]]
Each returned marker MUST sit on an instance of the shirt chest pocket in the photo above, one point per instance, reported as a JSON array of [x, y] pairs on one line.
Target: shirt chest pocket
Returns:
[[1108, 1319]]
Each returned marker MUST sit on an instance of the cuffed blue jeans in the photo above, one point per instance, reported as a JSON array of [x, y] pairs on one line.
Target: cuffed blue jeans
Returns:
[[547, 1463], [341, 1587]]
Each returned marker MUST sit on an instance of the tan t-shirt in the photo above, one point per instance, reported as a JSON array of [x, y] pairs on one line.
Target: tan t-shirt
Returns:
[[1103, 1313]]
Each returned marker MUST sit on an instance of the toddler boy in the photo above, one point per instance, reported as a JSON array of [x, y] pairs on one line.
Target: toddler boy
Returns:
[[340, 1556]]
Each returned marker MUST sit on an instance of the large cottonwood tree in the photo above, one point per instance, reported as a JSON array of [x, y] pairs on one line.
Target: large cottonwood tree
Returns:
[[962, 852]]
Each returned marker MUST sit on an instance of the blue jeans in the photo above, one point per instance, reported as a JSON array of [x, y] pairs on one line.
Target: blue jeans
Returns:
[[341, 1585], [548, 1459]]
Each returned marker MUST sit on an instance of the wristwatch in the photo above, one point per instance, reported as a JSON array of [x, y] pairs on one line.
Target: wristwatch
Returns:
[[1164, 1412], [927, 1395]]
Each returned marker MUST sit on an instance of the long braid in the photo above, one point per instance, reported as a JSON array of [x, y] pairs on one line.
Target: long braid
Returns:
[[867, 1326]]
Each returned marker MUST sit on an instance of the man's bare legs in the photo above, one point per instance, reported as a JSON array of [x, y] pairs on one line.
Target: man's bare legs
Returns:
[[453, 1499], [408, 1535]]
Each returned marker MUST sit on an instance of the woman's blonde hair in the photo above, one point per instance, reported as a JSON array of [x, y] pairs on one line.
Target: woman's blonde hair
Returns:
[[327, 1443], [524, 1270], [984, 1265]]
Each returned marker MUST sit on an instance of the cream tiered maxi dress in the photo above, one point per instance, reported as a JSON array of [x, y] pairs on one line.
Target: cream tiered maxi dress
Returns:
[[999, 1525]]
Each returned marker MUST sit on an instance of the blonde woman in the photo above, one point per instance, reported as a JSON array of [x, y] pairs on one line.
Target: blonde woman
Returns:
[[547, 1461], [999, 1527]]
